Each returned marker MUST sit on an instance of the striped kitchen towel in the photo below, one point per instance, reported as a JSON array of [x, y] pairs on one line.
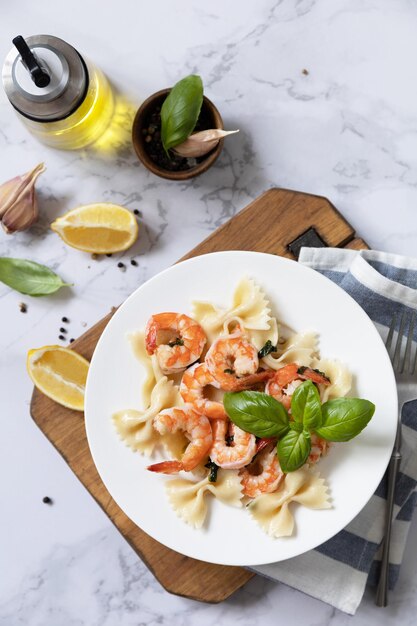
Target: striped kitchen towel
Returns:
[[338, 570]]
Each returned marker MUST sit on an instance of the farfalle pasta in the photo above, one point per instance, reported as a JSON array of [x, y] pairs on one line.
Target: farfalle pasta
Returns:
[[249, 305], [340, 378], [194, 369], [135, 427], [188, 498], [153, 372], [273, 511], [299, 347]]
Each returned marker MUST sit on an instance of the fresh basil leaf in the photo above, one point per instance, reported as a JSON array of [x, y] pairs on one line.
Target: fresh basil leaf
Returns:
[[344, 418], [266, 349], [180, 111], [296, 426], [29, 277], [293, 450], [306, 405], [256, 413]]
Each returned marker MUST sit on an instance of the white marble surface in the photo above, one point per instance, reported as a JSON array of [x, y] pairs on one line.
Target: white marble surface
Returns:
[[347, 130]]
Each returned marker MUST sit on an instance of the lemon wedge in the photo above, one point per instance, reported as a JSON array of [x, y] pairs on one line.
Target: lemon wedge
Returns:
[[99, 228], [60, 373]]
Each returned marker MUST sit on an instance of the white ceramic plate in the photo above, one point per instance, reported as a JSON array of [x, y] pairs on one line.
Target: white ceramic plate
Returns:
[[301, 298]]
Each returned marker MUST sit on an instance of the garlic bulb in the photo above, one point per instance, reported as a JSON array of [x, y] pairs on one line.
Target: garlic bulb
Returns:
[[201, 143], [18, 203]]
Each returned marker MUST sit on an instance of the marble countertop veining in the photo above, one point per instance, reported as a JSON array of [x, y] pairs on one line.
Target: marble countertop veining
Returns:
[[345, 129]]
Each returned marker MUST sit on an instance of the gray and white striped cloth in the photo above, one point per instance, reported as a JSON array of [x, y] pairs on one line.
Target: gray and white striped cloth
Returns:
[[338, 570]]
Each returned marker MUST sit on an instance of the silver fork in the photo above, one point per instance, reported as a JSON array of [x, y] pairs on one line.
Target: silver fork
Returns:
[[404, 366]]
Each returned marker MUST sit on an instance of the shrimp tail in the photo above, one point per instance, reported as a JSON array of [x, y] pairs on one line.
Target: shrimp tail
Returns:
[[246, 382], [166, 467], [151, 337], [306, 373], [286, 374]]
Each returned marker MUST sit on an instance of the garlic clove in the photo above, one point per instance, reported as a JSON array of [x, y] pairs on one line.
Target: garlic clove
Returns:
[[201, 143], [18, 203], [21, 214]]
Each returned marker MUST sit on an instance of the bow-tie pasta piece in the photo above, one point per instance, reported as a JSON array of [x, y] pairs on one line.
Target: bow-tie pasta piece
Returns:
[[153, 372], [188, 498], [340, 378], [249, 304], [257, 337], [135, 427], [298, 348], [272, 510]]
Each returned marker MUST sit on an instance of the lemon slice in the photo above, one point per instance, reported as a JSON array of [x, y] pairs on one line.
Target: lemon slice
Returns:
[[60, 374], [100, 228]]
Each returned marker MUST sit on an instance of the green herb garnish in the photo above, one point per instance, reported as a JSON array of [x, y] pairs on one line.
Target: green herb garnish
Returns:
[[340, 419], [267, 349], [213, 471], [228, 370], [293, 450], [29, 277], [180, 111], [344, 418], [306, 405], [256, 413]]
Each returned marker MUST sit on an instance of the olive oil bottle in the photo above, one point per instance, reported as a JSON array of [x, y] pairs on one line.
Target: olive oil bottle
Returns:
[[63, 99]]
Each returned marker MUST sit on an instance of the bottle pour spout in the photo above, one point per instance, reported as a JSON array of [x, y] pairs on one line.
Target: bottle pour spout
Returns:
[[38, 72]]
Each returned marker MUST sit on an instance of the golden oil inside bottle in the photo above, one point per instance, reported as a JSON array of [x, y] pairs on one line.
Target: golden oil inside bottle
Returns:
[[86, 124]]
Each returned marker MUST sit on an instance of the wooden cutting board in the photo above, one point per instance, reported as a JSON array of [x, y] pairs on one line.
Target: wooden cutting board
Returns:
[[278, 222]]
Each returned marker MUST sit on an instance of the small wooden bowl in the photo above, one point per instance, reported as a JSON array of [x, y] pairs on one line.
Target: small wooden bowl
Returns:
[[214, 120]]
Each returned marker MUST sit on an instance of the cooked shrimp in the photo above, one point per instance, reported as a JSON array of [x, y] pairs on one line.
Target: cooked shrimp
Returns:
[[282, 394], [238, 453], [263, 475], [195, 426], [319, 448], [176, 339], [193, 382], [233, 362], [286, 380]]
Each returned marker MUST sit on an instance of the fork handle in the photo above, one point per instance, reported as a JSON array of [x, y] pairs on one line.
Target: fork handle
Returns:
[[382, 590]]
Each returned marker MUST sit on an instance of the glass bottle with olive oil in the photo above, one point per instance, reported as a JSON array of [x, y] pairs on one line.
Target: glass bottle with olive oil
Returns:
[[62, 98]]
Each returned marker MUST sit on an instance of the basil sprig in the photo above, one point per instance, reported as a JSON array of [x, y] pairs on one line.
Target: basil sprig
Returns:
[[306, 405], [256, 413], [344, 418], [29, 277], [180, 111], [293, 450], [340, 419]]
